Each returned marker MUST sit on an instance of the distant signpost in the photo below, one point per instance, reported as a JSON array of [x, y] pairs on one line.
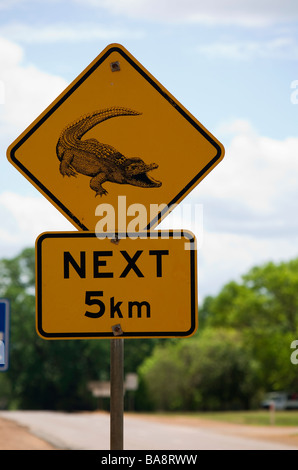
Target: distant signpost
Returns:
[[4, 334]]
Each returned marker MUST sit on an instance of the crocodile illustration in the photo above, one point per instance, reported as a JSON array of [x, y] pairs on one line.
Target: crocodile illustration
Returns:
[[101, 162]]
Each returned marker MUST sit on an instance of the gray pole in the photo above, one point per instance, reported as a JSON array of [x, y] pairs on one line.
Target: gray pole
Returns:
[[116, 402]]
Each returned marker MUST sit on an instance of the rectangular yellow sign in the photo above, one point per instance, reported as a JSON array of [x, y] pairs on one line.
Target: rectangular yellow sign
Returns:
[[91, 286]]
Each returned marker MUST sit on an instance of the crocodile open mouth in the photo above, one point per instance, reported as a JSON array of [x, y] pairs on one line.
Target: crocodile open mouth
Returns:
[[143, 179], [137, 173]]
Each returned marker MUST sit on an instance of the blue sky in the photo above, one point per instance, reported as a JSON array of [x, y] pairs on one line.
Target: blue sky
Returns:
[[231, 63]]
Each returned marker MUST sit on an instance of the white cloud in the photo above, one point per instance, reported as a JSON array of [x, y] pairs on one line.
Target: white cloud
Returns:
[[25, 218], [10, 53], [7, 4], [253, 13], [10, 4], [226, 257], [258, 174], [250, 206], [281, 48], [27, 90], [65, 32]]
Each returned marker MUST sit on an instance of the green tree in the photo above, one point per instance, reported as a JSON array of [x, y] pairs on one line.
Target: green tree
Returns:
[[213, 370], [45, 374], [241, 350], [161, 375], [263, 306]]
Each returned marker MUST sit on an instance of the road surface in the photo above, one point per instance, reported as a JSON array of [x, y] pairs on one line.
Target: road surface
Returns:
[[90, 431]]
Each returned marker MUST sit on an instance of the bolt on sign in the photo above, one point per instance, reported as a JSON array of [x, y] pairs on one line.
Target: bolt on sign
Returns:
[[89, 286], [115, 131]]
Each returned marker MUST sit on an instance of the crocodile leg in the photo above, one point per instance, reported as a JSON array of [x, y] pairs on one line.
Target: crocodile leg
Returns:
[[96, 184], [65, 165]]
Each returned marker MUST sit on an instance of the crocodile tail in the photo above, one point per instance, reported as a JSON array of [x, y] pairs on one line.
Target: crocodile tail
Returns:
[[88, 121]]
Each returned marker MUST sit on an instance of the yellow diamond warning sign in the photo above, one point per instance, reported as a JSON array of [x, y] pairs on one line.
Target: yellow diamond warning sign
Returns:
[[115, 132]]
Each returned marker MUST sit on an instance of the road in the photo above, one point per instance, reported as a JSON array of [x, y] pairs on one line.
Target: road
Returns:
[[90, 431]]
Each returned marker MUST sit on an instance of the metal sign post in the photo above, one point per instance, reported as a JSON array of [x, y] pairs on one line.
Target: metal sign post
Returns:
[[117, 393]]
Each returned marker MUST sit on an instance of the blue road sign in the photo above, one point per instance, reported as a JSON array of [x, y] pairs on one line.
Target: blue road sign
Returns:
[[4, 334]]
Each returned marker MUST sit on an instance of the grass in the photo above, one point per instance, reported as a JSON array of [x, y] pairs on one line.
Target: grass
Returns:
[[257, 418]]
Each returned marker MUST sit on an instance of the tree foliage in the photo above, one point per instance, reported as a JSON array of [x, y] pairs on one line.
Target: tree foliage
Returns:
[[264, 308], [241, 350], [210, 371], [50, 374]]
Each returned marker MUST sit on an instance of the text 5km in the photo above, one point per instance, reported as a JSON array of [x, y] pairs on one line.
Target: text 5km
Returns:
[[133, 307]]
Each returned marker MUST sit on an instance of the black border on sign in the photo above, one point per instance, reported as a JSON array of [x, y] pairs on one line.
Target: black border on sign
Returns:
[[65, 96], [109, 335]]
